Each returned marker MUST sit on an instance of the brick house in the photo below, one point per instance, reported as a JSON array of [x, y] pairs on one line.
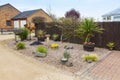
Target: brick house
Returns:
[[26, 18], [7, 11]]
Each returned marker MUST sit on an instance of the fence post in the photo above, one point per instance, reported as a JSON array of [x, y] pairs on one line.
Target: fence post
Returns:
[[1, 30]]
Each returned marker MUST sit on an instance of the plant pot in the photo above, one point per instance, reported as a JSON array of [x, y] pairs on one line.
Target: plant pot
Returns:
[[110, 49], [39, 54], [88, 47], [55, 39], [41, 38], [64, 60]]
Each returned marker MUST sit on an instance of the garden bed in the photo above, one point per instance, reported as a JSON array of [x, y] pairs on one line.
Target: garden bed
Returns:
[[54, 55]]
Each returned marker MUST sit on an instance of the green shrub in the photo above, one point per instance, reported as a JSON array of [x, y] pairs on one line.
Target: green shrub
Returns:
[[92, 57], [41, 33], [41, 49], [24, 34], [111, 45], [55, 36], [20, 45], [87, 29], [67, 55]]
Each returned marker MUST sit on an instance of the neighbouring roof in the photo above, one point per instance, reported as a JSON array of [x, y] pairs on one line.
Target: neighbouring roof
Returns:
[[25, 14], [8, 5], [112, 13]]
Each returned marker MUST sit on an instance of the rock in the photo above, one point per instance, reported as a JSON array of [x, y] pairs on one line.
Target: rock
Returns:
[[69, 47], [89, 61]]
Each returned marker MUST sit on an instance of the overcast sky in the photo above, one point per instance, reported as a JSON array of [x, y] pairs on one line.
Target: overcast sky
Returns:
[[87, 8]]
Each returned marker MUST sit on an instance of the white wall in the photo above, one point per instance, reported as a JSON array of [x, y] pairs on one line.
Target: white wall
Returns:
[[113, 18], [116, 18]]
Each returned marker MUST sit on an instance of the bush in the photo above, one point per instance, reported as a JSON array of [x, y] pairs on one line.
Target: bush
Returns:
[[111, 45], [24, 34], [55, 36], [20, 45], [68, 27], [72, 14], [92, 57], [41, 49], [54, 46], [87, 29], [39, 23], [41, 33], [67, 55]]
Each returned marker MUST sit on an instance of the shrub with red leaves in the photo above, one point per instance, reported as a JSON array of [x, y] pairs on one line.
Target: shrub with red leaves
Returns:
[[72, 14]]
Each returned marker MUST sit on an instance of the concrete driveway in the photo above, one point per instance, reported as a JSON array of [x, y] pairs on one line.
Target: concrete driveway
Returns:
[[15, 66], [5, 37]]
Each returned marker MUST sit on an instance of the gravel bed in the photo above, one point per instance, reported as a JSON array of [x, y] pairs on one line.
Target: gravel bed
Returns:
[[54, 55]]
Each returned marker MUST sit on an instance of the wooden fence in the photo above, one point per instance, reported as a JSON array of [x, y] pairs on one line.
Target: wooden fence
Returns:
[[111, 33], [2, 30]]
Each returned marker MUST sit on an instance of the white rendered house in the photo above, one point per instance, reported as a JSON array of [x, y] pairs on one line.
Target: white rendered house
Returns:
[[112, 16]]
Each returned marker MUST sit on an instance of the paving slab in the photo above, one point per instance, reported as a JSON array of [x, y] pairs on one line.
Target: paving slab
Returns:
[[108, 69]]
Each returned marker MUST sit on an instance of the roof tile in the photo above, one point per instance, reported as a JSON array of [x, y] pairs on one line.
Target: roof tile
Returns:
[[25, 14]]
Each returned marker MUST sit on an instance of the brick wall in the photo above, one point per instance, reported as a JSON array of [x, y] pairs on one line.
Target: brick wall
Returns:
[[40, 13], [6, 13]]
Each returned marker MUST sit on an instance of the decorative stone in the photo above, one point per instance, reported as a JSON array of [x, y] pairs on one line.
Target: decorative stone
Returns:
[[89, 61], [69, 64], [47, 38], [64, 60], [39, 54], [69, 47]]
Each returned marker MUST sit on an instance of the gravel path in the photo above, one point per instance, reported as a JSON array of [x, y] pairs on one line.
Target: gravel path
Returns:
[[15, 66]]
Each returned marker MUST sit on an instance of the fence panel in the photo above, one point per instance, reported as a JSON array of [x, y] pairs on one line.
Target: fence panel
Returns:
[[111, 33]]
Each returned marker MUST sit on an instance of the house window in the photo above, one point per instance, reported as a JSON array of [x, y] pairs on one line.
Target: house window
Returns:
[[104, 18], [22, 23], [108, 17], [116, 17], [8, 22]]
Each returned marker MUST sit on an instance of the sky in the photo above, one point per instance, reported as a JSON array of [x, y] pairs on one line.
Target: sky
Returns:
[[86, 8]]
